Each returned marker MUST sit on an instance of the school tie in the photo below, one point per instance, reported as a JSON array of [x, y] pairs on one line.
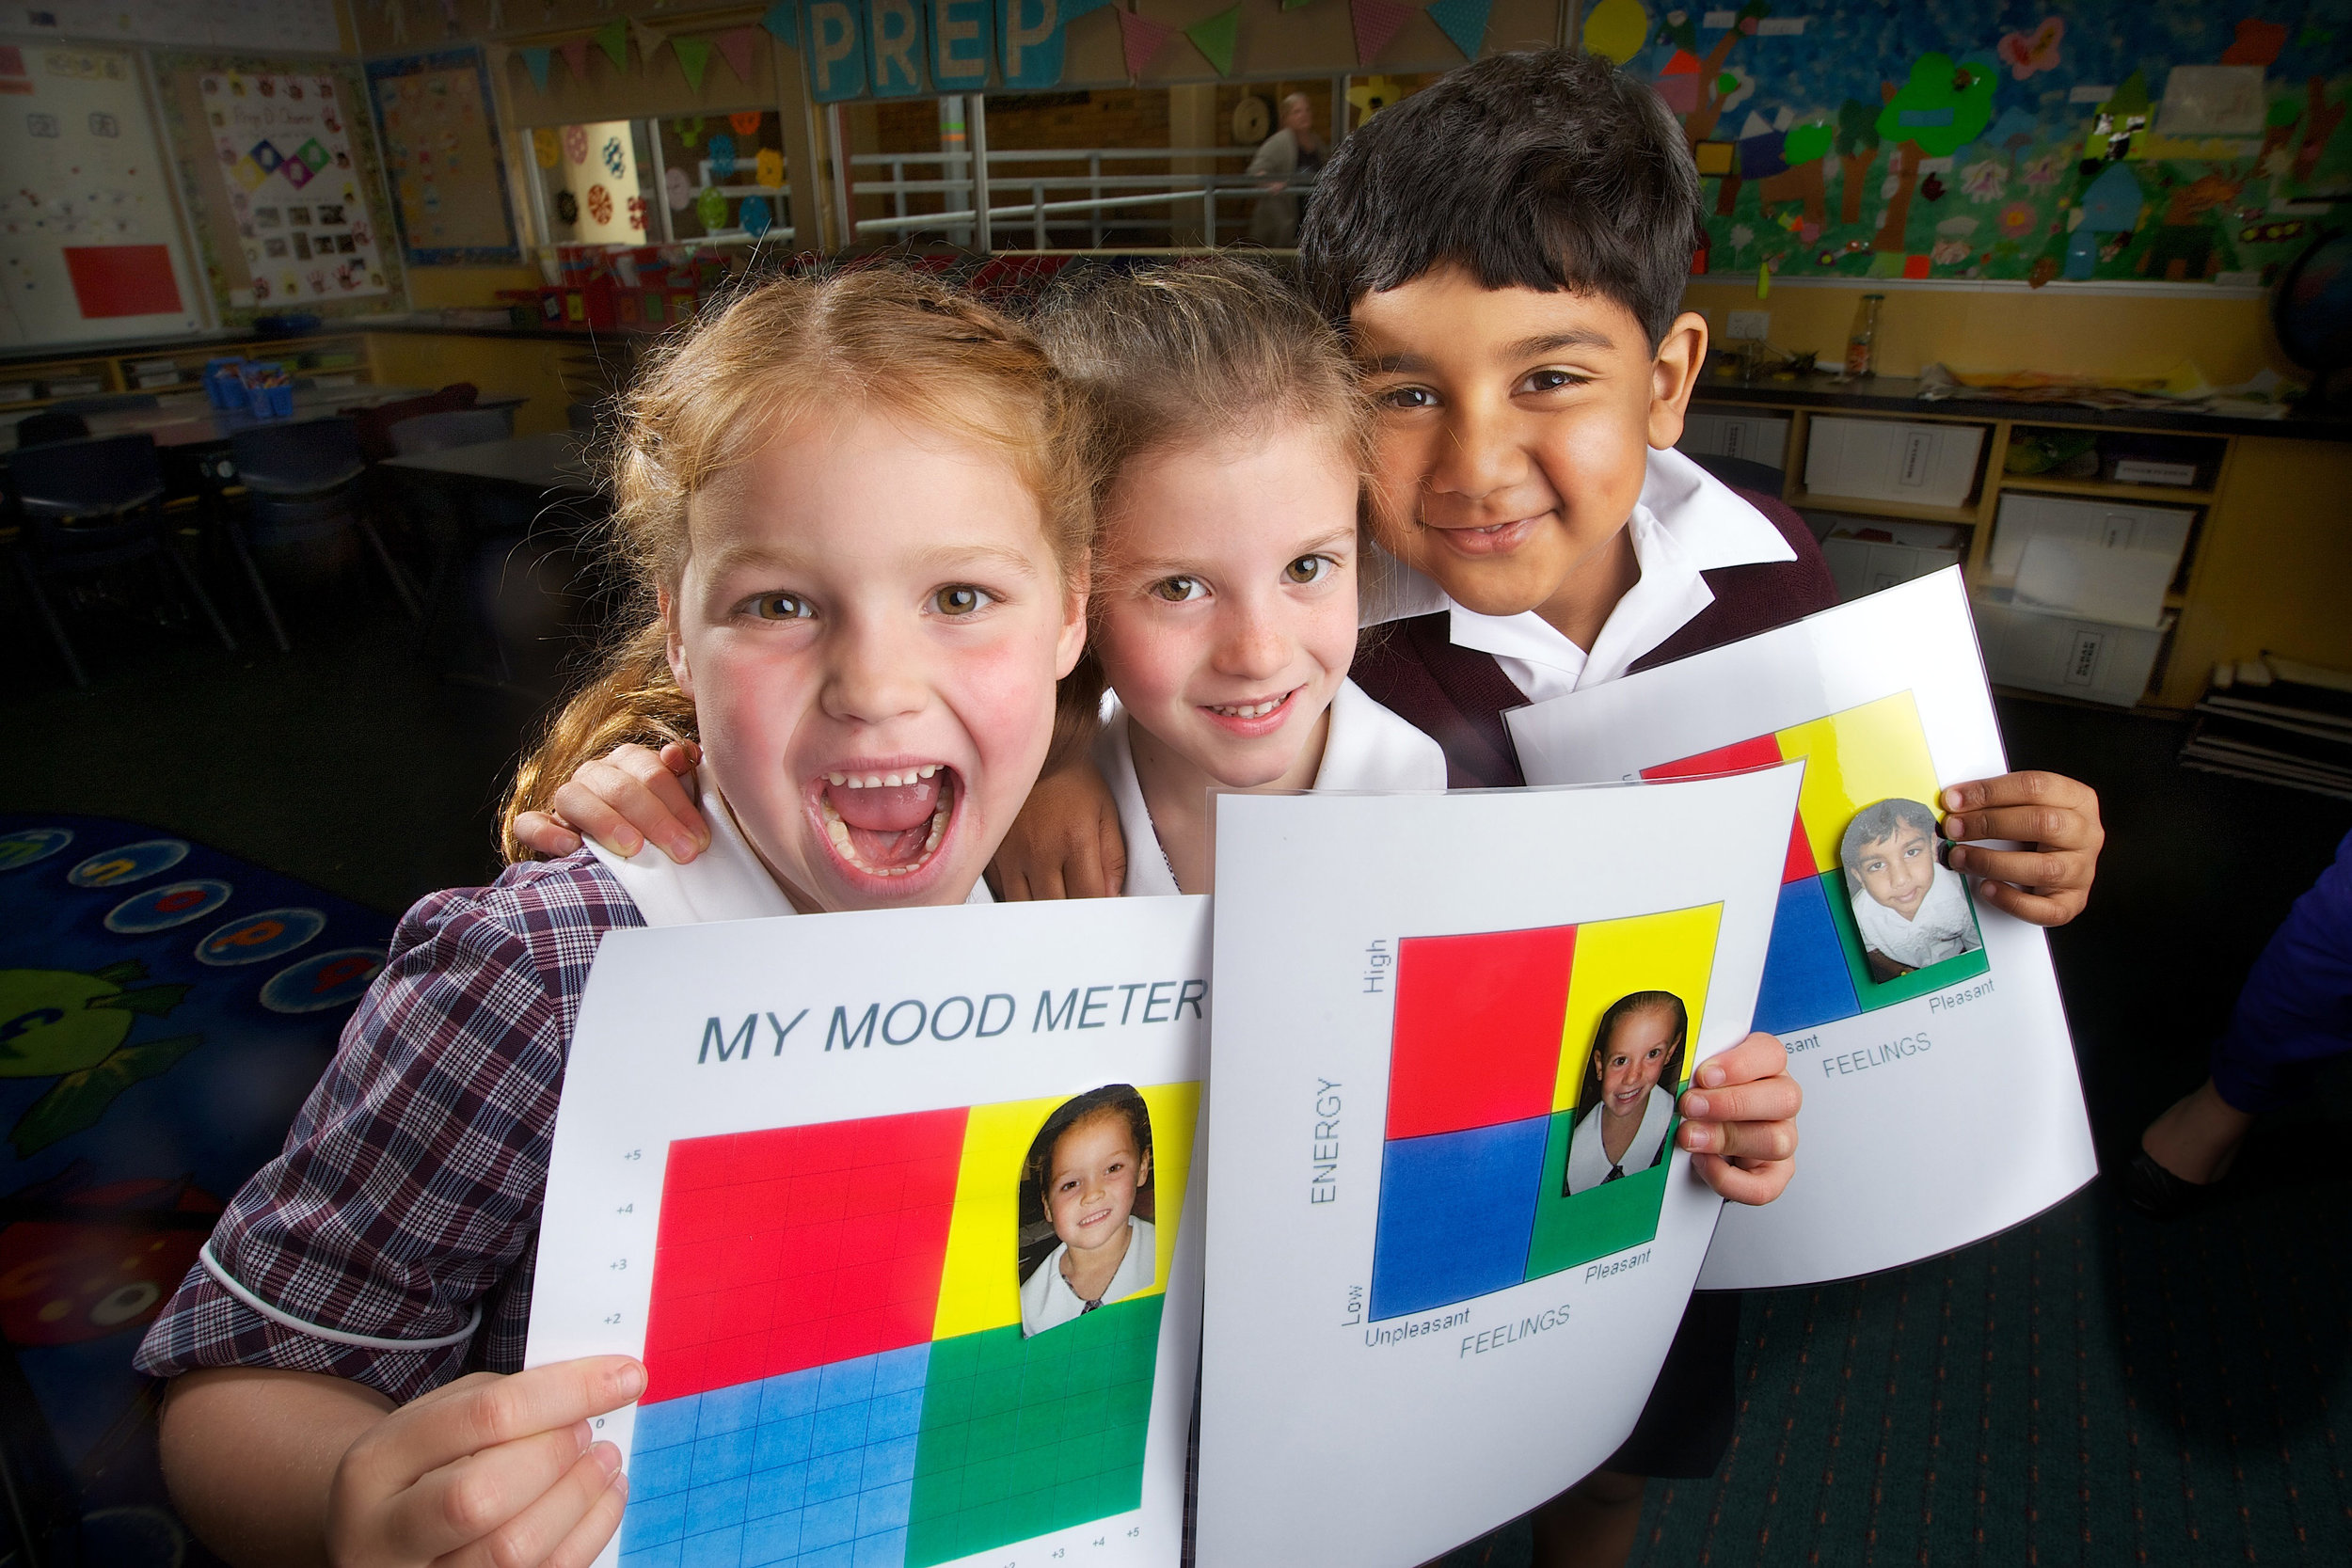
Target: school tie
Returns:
[[1616, 1172]]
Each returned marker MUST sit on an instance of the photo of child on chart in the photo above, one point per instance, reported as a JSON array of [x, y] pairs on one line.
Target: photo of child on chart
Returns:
[[1626, 1105], [1911, 909], [1086, 1189]]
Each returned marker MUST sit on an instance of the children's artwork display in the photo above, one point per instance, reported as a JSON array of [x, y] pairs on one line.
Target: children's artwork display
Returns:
[[1450, 1219], [897, 1208], [442, 158], [1942, 1102], [90, 245]]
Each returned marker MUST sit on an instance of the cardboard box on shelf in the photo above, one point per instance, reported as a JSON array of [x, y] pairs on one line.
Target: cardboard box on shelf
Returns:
[[1921, 465], [2105, 560], [1866, 554], [2071, 656], [1754, 436]]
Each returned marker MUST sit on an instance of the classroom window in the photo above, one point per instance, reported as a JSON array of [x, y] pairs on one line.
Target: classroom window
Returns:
[[707, 177]]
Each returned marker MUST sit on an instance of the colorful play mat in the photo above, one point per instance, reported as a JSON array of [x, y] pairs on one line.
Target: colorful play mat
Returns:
[[163, 1010]]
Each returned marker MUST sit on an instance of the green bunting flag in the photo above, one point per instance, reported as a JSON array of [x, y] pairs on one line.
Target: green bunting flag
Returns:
[[1215, 36], [612, 38], [694, 57]]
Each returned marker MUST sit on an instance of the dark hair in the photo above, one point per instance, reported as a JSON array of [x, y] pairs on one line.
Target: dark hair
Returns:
[[1669, 1073], [1547, 170], [1875, 824]]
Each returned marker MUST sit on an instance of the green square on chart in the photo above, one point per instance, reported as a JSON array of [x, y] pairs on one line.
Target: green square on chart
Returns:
[[1875, 994], [1599, 1221]]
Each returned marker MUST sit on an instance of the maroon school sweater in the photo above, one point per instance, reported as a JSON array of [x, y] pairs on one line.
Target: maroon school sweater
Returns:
[[1457, 695]]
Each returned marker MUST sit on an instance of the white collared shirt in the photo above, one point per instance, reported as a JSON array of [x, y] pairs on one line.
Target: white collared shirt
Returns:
[[1686, 522], [1368, 747], [726, 882], [1588, 1158], [1048, 1302]]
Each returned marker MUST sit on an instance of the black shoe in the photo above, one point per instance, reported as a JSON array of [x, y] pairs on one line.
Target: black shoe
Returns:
[[2154, 1190]]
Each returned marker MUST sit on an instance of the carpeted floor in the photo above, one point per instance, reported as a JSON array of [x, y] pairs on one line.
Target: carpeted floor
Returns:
[[2091, 1388]]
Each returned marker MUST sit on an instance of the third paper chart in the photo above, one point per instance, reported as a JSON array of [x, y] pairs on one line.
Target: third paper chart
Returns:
[[1449, 1237], [1940, 1098]]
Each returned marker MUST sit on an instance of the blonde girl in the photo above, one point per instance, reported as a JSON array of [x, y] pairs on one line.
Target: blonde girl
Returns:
[[858, 515]]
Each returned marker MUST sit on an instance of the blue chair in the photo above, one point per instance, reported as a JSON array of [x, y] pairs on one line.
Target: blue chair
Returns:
[[302, 486], [48, 426], [87, 506]]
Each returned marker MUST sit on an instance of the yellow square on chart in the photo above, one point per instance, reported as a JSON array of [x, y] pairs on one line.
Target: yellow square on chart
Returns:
[[1874, 753], [1670, 951]]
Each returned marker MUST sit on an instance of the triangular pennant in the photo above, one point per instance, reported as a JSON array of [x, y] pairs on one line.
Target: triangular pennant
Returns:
[[649, 41], [1216, 36], [575, 52], [612, 38], [536, 58], [735, 47], [782, 24], [1376, 21], [1463, 21], [694, 57], [1073, 9], [1141, 37]]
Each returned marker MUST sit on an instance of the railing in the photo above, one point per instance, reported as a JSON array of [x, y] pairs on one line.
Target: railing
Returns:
[[956, 185]]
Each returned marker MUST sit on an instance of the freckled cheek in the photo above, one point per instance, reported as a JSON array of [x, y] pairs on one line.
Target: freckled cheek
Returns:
[[1149, 665]]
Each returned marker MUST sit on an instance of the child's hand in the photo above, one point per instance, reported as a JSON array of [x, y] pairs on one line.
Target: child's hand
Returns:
[[1066, 842], [2047, 883], [490, 1470], [1740, 1120], [624, 801]]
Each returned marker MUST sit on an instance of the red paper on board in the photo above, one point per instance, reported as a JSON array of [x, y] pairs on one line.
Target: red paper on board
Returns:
[[122, 280]]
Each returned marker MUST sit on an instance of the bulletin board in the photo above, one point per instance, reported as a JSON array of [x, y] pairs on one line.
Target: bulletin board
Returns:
[[91, 247], [441, 158], [280, 167], [2096, 139]]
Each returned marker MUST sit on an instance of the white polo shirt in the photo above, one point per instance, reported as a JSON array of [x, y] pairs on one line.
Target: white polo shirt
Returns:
[[1686, 522], [1368, 747]]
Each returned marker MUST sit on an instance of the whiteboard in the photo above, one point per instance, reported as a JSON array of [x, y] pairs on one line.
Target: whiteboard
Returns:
[[91, 247], [275, 24]]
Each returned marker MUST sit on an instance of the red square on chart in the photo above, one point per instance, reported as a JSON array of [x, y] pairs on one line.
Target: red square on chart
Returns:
[[122, 280], [1763, 751], [1477, 1033]]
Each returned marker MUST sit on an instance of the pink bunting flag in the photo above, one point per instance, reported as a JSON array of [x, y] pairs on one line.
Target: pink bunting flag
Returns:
[[1377, 22], [1142, 38], [576, 56], [735, 47]]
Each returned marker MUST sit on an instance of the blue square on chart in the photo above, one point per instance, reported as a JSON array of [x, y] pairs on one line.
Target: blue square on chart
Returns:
[[783, 1442], [721, 1548], [843, 1426], [1456, 1212], [723, 1457], [898, 1371], [885, 1508], [792, 1394], [846, 1383], [835, 1474], [828, 1524], [1805, 979], [778, 1491], [665, 1556], [672, 1421], [653, 1522], [660, 1472], [840, 1555], [776, 1539], [888, 1464], [895, 1416], [887, 1550], [715, 1506], [730, 1409]]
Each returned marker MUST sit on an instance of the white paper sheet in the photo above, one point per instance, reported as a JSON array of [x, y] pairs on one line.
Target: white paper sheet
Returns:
[[1940, 1107], [790, 1172], [1413, 1334]]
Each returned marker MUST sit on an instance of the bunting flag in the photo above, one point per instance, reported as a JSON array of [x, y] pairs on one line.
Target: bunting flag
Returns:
[[536, 58], [735, 47], [782, 24], [1141, 37], [612, 38], [576, 56], [649, 42], [1463, 22], [694, 57], [1216, 36], [1376, 21]]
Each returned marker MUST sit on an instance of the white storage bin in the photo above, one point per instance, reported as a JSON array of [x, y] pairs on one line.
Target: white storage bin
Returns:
[[1863, 564], [1924, 465], [2073, 657], [2105, 561], [1753, 437]]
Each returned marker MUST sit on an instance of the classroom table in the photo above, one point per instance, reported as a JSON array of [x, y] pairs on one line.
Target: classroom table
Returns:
[[187, 421], [553, 461]]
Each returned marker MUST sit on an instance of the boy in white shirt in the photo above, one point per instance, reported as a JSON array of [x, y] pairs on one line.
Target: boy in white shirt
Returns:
[[1910, 911]]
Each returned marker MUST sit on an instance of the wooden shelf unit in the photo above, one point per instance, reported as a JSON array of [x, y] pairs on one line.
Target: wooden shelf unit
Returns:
[[322, 355]]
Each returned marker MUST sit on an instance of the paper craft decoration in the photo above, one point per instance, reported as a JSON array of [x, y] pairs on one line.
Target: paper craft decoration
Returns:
[[1942, 1103], [1416, 1234], [811, 1140], [443, 157]]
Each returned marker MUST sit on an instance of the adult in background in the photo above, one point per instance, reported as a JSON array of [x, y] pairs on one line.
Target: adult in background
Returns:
[[1293, 150]]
